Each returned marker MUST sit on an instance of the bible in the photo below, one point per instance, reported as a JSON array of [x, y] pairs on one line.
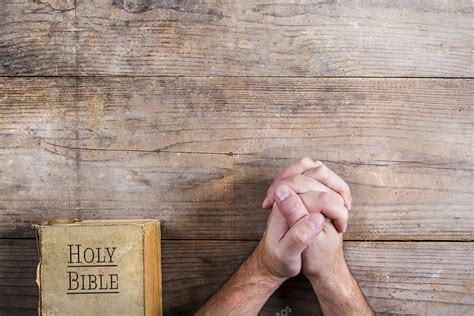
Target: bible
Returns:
[[99, 267]]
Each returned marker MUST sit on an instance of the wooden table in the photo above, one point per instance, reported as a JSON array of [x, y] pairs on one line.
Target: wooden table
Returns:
[[185, 112]]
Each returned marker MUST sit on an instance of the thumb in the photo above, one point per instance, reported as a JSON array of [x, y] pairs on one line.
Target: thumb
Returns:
[[290, 204], [300, 236]]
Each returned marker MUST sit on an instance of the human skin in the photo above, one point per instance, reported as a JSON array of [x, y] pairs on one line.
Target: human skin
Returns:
[[304, 232], [323, 262]]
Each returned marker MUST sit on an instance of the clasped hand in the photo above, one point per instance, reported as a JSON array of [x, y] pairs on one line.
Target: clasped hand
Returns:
[[310, 209]]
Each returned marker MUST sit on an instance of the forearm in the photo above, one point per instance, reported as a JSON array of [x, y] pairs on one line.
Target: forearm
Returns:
[[245, 292], [339, 294]]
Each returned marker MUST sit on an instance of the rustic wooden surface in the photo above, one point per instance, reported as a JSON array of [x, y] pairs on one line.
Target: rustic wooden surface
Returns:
[[185, 112], [198, 152], [277, 38]]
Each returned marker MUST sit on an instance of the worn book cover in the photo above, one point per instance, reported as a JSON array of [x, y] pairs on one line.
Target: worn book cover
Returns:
[[99, 267]]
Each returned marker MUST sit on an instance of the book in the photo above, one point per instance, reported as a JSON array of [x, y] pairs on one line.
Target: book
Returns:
[[99, 267]]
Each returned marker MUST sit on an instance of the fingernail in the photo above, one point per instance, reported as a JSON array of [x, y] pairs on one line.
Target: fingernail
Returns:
[[315, 221], [282, 193]]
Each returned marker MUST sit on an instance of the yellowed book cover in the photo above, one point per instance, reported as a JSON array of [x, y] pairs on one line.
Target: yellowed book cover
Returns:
[[99, 267]]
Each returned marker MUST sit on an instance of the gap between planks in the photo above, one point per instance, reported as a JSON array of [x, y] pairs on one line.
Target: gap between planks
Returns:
[[240, 76]]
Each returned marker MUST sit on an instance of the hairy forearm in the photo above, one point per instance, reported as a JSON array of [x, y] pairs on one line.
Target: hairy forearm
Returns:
[[245, 292], [339, 294]]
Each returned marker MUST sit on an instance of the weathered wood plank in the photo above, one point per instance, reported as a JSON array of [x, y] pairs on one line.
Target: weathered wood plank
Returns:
[[401, 278], [37, 37], [122, 147], [237, 38]]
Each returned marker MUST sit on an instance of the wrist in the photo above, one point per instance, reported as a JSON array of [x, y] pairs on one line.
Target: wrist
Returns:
[[246, 291], [338, 292], [331, 276], [262, 270], [335, 282], [337, 271]]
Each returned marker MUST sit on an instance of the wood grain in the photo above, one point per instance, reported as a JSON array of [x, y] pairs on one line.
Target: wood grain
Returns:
[[237, 38], [161, 136], [37, 37], [198, 153], [398, 278]]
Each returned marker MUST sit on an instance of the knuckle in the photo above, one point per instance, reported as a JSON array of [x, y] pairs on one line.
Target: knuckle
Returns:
[[319, 163], [293, 179], [305, 160], [324, 198], [298, 178], [323, 173], [292, 208], [297, 238], [345, 217]]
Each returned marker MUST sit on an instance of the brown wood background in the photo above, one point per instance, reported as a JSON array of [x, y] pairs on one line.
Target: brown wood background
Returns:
[[185, 110]]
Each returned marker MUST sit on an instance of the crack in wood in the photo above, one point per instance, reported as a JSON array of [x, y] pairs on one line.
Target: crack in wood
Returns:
[[153, 151]]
